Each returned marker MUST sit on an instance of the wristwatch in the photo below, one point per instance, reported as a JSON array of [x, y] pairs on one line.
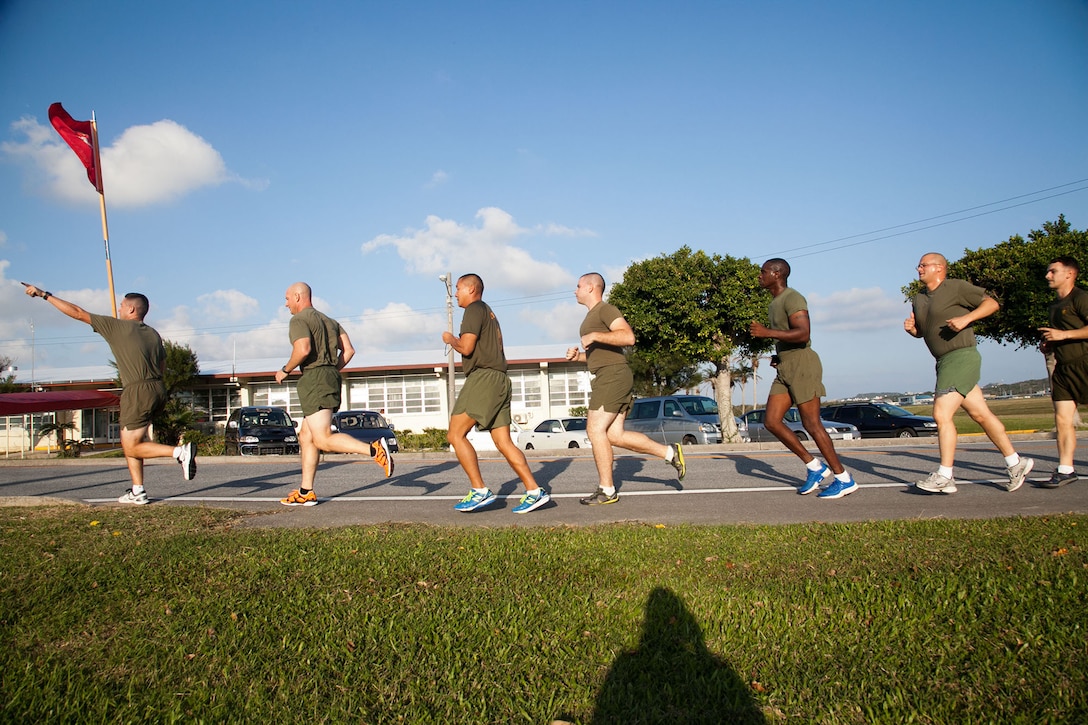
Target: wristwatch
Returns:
[[46, 295], [285, 370]]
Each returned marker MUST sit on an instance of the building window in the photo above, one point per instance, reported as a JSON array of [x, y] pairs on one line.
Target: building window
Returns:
[[283, 396], [526, 388], [398, 394], [569, 389]]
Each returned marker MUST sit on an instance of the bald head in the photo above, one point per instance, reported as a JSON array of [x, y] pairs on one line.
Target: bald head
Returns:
[[298, 297]]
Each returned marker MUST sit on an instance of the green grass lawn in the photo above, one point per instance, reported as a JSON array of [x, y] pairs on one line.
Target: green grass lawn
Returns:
[[165, 614], [1018, 414]]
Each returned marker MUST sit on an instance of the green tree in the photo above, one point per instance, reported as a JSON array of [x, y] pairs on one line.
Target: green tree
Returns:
[[693, 307], [7, 377], [181, 371], [662, 374]]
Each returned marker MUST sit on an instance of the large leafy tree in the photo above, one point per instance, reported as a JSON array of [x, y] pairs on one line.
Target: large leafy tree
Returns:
[[694, 309], [1014, 272], [182, 369]]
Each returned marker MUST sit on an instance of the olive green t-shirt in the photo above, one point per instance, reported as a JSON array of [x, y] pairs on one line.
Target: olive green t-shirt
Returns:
[[778, 314], [480, 321], [600, 319], [1070, 313], [933, 309], [324, 334], [137, 348]]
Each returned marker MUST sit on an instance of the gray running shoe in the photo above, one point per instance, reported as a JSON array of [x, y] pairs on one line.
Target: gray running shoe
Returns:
[[137, 498], [599, 497], [936, 483], [1057, 480], [1018, 473]]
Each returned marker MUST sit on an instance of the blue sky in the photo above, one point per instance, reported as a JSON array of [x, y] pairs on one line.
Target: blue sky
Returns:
[[368, 147]]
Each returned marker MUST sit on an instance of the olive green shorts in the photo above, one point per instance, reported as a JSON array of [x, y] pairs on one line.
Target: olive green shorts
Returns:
[[1070, 382], [800, 375], [141, 402], [611, 389], [485, 397], [319, 389], [958, 371]]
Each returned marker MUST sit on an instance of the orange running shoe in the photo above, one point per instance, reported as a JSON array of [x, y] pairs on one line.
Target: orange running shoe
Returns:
[[295, 498], [382, 455]]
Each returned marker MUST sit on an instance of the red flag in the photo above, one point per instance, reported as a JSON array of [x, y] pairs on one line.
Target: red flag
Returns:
[[80, 136]]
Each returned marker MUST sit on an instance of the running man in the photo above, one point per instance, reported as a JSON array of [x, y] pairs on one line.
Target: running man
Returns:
[[604, 333], [943, 314], [485, 400], [320, 348], [799, 382], [1067, 338], [141, 359]]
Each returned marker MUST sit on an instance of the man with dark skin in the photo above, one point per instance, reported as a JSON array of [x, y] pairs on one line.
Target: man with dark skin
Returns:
[[485, 400], [799, 382]]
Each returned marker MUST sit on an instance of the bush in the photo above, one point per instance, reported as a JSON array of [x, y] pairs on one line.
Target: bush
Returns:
[[207, 444], [431, 439]]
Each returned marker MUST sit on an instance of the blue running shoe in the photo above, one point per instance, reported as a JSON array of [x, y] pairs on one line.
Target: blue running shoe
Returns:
[[813, 481], [476, 500], [838, 489], [532, 500]]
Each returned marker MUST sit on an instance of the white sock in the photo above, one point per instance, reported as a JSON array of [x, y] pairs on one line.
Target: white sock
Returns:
[[670, 453], [137, 490], [1012, 460], [1066, 469], [814, 465], [177, 451], [945, 471], [608, 491], [480, 490], [844, 476]]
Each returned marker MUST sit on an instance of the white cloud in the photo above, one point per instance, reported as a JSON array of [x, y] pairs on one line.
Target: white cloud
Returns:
[[3, 238], [226, 306], [559, 324], [856, 310], [486, 249], [145, 165], [437, 179]]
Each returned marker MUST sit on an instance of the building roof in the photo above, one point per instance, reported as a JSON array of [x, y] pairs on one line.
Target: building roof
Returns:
[[20, 403], [399, 360]]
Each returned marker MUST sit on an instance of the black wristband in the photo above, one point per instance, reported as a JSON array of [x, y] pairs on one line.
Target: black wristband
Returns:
[[47, 295], [285, 370]]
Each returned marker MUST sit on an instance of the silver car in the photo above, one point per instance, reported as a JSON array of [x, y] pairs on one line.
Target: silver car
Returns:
[[666, 421], [753, 423]]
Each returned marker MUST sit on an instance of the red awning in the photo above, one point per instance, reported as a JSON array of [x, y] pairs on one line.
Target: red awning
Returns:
[[19, 403]]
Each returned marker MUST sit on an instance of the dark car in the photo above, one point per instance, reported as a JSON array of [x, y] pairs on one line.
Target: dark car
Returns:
[[365, 425], [881, 420], [260, 430], [754, 425]]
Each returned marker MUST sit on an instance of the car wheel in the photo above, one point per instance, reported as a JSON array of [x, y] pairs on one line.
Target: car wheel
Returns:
[[573, 444], [689, 440], [801, 436], [528, 446], [907, 433]]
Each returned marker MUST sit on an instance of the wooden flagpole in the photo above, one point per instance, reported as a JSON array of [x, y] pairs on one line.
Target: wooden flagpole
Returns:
[[102, 208]]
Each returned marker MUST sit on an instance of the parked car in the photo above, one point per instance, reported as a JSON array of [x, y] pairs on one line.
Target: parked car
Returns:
[[557, 433], [881, 420], [754, 423], [258, 431], [666, 420], [365, 425], [481, 439]]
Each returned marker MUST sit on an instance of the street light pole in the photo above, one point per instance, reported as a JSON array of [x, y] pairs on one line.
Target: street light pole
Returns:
[[448, 280]]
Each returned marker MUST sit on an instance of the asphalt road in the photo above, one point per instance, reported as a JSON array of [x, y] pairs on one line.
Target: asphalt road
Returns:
[[724, 485]]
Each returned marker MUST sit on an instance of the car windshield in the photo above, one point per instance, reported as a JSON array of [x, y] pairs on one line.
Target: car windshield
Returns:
[[574, 423], [352, 421], [894, 410], [792, 416], [699, 406], [267, 419]]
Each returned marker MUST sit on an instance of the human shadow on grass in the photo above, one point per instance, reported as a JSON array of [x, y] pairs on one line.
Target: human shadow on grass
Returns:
[[671, 677]]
